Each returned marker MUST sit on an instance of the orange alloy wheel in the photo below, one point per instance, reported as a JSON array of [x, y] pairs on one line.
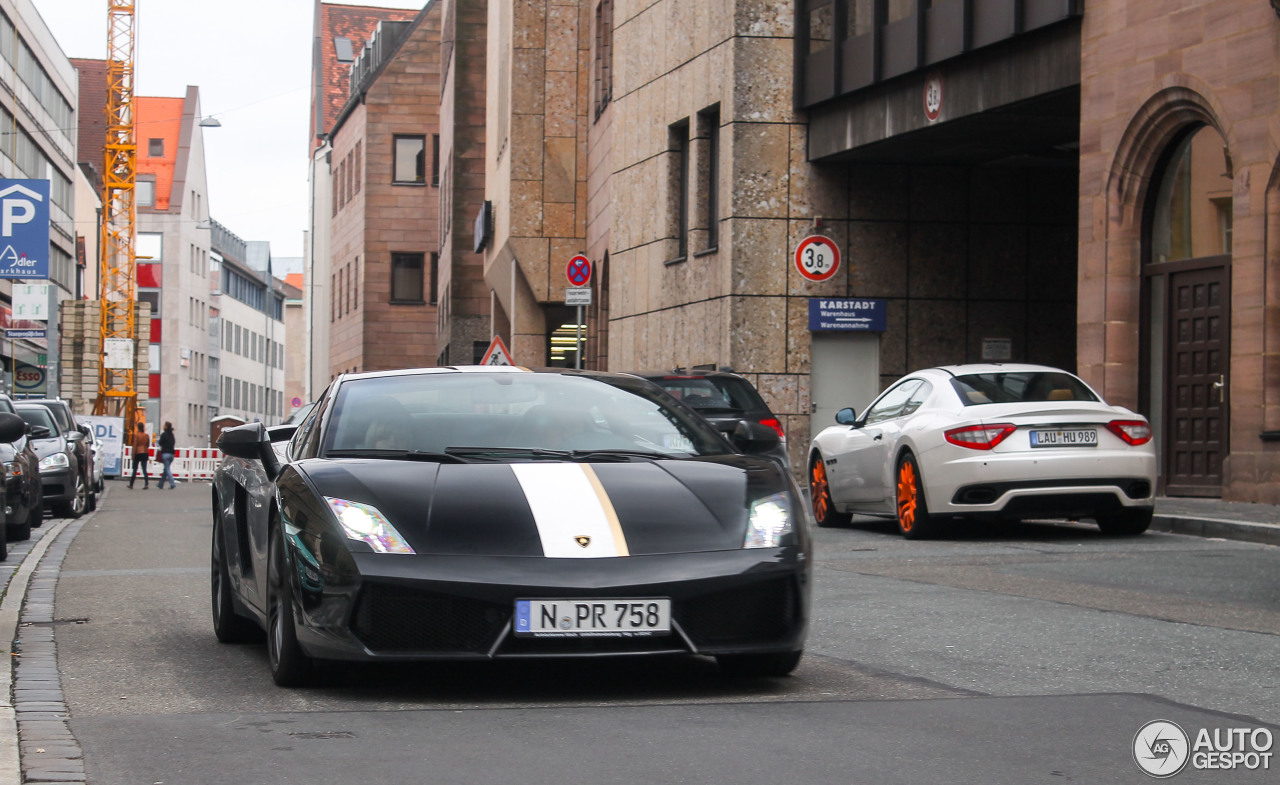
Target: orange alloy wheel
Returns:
[[908, 492], [818, 489]]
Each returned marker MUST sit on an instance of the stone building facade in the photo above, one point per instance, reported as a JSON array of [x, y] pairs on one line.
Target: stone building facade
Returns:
[[1189, 331], [383, 225]]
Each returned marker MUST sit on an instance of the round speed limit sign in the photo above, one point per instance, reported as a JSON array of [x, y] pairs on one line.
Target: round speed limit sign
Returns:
[[817, 257]]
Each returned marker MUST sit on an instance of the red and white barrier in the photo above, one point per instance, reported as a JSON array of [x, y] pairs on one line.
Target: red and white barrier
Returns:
[[189, 463]]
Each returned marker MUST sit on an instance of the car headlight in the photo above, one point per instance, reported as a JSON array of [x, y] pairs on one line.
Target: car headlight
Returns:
[[363, 522], [58, 460], [769, 522]]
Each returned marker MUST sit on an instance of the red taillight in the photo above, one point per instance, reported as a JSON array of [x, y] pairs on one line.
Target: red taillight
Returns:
[[980, 437], [1133, 432], [775, 425]]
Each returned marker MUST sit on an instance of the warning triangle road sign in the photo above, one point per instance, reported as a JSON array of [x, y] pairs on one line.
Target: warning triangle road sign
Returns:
[[497, 353]]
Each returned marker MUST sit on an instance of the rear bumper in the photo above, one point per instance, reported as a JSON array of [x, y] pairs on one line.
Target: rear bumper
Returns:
[[1074, 482]]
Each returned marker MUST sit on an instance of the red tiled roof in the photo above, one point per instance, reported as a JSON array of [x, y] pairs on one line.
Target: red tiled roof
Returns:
[[158, 118], [354, 22], [294, 280]]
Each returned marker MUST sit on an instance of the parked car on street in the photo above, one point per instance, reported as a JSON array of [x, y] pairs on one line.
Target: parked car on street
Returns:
[[62, 481], [80, 437], [724, 399], [986, 441], [485, 513], [99, 463], [23, 492]]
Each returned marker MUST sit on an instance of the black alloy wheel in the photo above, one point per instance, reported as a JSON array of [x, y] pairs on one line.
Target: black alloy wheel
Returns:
[[759, 665], [228, 626], [290, 666]]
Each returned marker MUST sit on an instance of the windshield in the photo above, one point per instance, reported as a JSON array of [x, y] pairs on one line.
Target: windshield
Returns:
[[1021, 387], [39, 416], [60, 415], [514, 415], [705, 393], [299, 414]]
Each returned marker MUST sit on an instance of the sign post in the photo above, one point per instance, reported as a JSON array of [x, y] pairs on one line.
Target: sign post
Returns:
[[817, 258], [578, 272]]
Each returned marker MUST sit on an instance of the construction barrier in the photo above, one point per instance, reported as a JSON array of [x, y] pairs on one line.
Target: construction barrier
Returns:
[[189, 463]]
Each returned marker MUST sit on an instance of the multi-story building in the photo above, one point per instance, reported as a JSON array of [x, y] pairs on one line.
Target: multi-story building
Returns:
[[295, 344], [251, 330], [341, 32], [38, 103], [172, 245], [383, 235]]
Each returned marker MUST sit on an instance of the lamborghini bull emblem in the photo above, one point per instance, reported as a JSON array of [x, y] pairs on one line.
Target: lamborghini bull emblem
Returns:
[[582, 540]]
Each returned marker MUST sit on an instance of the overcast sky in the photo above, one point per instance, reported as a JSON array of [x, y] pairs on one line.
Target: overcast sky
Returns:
[[251, 60]]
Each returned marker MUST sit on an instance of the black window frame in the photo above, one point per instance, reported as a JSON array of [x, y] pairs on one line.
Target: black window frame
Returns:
[[400, 257]]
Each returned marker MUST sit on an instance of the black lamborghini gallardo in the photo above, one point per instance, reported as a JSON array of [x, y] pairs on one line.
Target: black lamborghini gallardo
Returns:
[[483, 513]]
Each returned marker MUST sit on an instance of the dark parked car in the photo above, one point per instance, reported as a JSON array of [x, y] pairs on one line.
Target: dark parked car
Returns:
[[23, 492], [489, 513], [724, 399], [80, 437], [12, 429], [63, 484]]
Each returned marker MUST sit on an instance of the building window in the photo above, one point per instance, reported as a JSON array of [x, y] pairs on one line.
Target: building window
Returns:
[[144, 192], [355, 176], [355, 284], [435, 160], [435, 277], [155, 148], [342, 184], [333, 297], [678, 143], [409, 164], [604, 55], [709, 176], [406, 278]]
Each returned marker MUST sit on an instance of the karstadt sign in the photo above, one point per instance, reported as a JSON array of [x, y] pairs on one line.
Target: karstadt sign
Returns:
[[24, 228]]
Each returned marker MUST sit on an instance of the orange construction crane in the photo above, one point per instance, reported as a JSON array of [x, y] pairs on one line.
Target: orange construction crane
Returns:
[[117, 390]]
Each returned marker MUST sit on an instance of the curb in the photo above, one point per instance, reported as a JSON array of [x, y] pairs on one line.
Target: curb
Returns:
[[1265, 533]]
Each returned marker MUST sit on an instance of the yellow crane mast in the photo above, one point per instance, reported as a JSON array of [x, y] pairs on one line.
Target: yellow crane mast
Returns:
[[117, 390]]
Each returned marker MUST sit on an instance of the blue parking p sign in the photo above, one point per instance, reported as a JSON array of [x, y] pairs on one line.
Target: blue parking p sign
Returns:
[[24, 228]]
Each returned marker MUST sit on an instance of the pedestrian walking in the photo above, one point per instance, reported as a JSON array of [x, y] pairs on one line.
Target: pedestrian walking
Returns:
[[141, 444], [166, 455]]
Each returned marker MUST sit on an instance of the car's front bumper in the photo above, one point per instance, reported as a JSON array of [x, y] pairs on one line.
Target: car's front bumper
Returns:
[[1074, 482], [58, 485], [461, 607]]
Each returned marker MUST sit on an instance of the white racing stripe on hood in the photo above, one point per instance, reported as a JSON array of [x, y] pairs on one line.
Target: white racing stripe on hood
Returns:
[[569, 503]]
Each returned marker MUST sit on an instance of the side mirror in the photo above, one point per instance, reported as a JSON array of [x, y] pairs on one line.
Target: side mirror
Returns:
[[754, 438], [75, 436], [281, 433], [12, 427], [40, 432], [252, 443], [85, 430], [847, 416]]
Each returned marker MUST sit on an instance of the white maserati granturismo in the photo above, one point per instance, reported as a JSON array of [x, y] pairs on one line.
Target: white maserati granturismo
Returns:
[[986, 441]]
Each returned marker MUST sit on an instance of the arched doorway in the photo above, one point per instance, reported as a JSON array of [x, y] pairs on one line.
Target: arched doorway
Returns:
[[1186, 304]]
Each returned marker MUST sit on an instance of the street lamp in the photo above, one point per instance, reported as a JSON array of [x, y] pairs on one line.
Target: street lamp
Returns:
[[210, 122]]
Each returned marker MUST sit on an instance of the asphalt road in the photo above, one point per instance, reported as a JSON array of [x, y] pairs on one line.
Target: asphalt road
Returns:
[[995, 655]]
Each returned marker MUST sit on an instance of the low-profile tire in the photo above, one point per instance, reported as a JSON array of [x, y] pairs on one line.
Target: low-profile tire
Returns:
[[1126, 523], [757, 665], [16, 532], [825, 513], [35, 515], [91, 498], [290, 666], [75, 507], [228, 626], [914, 520]]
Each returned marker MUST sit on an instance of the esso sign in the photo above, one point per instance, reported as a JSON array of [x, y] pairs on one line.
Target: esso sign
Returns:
[[27, 377], [817, 258]]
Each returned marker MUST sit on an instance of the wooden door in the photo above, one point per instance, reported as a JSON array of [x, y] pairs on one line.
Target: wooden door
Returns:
[[1197, 382]]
